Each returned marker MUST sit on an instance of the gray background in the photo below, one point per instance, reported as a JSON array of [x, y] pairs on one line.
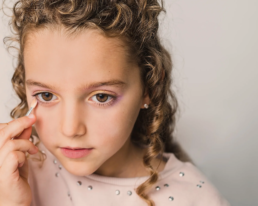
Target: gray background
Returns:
[[214, 46]]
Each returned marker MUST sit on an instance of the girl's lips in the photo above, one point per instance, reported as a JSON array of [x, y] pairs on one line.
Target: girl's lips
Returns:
[[75, 153], [75, 148]]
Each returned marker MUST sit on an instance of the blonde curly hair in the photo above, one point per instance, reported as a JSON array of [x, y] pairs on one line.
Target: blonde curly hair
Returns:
[[136, 22]]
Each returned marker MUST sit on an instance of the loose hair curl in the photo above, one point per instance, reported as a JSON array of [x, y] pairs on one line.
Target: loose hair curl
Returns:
[[136, 22]]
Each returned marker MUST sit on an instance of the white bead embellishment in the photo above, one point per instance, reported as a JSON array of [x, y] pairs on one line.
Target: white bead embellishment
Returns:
[[79, 183], [166, 185], [199, 186], [171, 198], [68, 193], [157, 188], [202, 182], [146, 106], [117, 192], [129, 193], [181, 174], [60, 167], [55, 161], [90, 187], [57, 174]]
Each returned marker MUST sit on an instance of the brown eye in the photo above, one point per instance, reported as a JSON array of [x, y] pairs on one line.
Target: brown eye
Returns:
[[47, 96], [102, 97]]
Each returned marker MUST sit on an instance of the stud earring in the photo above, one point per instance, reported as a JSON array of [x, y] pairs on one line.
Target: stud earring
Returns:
[[146, 106]]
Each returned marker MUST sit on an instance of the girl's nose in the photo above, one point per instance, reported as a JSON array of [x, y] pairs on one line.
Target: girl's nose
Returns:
[[72, 124]]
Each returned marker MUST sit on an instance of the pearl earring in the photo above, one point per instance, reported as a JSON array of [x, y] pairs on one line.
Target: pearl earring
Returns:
[[146, 106]]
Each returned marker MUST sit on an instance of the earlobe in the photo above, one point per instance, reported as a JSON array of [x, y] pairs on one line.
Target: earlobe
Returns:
[[146, 102], [146, 106], [146, 99]]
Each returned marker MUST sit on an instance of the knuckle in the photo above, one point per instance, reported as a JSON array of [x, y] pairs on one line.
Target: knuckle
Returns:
[[11, 145], [13, 156]]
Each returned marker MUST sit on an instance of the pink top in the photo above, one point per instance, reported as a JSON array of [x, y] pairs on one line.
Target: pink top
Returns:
[[180, 184]]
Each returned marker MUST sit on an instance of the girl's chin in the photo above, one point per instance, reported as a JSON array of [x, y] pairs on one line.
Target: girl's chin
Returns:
[[80, 171], [79, 168]]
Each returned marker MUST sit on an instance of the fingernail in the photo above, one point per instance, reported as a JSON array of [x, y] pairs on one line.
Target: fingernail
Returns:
[[31, 116]]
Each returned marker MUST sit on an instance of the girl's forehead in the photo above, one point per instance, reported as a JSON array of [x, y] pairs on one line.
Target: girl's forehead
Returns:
[[88, 57], [89, 42], [50, 48]]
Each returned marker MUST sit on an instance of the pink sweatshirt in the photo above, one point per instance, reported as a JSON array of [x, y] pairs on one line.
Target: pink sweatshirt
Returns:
[[180, 184]]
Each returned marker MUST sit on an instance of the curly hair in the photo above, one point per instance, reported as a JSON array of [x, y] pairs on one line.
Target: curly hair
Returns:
[[136, 22]]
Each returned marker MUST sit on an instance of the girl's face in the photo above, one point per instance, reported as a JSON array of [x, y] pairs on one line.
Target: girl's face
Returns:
[[89, 97]]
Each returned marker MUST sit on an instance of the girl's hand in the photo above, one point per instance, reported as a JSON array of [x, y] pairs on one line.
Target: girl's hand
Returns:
[[14, 187]]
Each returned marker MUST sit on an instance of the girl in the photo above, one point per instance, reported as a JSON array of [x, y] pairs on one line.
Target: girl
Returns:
[[102, 130]]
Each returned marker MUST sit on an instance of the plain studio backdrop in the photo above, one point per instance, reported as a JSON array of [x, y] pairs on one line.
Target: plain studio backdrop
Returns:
[[214, 46]]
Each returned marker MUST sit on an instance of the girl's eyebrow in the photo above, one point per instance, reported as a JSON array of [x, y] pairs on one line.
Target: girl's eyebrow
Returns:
[[114, 82]]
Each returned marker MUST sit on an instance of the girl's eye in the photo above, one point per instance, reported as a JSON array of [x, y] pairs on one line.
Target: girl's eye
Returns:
[[44, 97], [102, 97]]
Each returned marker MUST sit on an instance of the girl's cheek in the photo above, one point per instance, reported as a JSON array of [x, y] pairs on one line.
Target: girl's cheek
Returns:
[[45, 120], [113, 133]]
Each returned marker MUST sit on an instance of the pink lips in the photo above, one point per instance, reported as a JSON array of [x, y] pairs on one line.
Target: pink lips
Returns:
[[75, 152]]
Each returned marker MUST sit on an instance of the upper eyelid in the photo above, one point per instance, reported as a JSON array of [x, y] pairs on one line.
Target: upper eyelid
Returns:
[[102, 92], [37, 93], [40, 92]]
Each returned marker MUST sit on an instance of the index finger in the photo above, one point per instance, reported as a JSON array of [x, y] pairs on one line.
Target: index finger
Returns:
[[15, 127], [3, 125]]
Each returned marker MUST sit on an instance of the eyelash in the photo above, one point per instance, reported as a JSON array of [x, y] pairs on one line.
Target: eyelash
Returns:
[[100, 104]]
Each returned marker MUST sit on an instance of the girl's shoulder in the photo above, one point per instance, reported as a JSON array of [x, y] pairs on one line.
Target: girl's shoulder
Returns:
[[184, 183]]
